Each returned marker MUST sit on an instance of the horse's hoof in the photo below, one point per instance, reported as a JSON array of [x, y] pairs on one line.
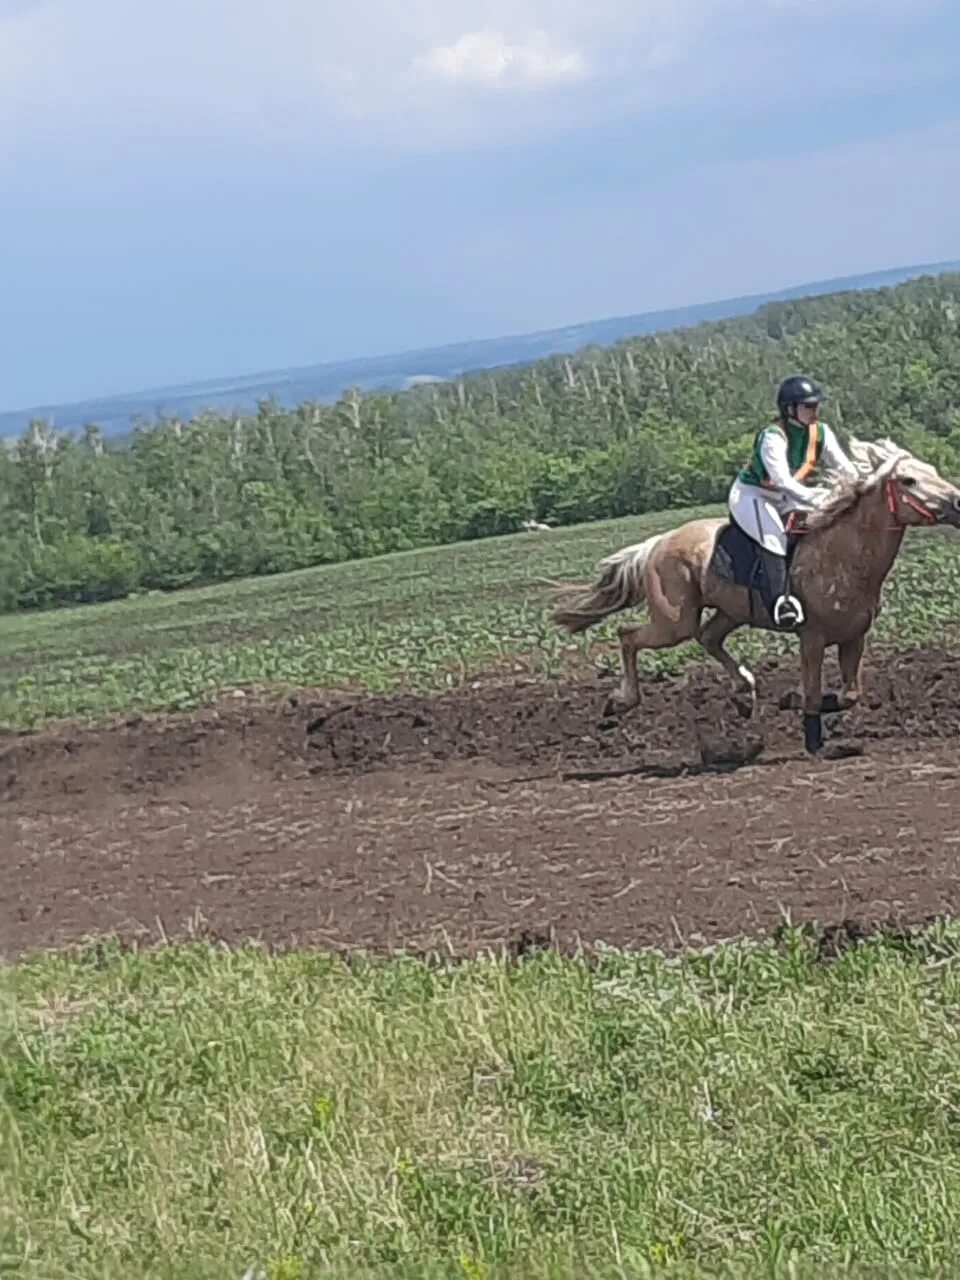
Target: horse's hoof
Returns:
[[812, 733], [791, 701], [746, 709], [843, 750], [830, 704], [616, 705]]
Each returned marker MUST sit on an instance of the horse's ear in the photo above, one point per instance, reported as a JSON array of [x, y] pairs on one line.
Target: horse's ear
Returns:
[[892, 449], [871, 455], [865, 455]]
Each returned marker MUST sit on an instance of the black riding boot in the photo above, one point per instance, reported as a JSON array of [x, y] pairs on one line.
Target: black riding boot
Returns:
[[785, 610]]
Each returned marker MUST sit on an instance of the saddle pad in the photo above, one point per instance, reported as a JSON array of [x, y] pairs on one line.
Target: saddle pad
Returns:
[[735, 556]]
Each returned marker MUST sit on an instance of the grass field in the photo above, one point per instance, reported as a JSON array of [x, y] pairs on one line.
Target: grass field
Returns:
[[754, 1111], [425, 619], [198, 1112]]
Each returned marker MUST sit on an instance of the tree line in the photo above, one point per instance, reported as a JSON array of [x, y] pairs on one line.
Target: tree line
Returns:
[[654, 422]]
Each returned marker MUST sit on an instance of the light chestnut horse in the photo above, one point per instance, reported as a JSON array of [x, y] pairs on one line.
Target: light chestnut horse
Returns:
[[842, 558]]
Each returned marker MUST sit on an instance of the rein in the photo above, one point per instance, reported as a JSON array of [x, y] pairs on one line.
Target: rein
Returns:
[[794, 527]]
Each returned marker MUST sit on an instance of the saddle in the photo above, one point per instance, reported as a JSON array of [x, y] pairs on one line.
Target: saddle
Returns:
[[795, 525], [739, 560]]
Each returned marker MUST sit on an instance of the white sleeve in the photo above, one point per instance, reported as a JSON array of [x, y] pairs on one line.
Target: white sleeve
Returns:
[[834, 458], [773, 451]]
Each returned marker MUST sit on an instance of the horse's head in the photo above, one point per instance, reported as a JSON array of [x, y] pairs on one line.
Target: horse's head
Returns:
[[915, 491]]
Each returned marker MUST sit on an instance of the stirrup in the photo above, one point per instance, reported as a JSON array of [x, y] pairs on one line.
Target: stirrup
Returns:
[[787, 612]]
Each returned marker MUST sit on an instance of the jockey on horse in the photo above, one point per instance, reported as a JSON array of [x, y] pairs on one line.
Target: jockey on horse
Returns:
[[770, 486]]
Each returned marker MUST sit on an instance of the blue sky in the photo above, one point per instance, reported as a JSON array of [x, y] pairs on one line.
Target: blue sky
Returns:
[[198, 188]]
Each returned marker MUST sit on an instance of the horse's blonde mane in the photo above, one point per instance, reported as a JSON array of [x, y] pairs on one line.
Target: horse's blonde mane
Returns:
[[875, 460]]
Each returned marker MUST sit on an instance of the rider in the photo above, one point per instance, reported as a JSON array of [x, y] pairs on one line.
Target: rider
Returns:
[[771, 485]]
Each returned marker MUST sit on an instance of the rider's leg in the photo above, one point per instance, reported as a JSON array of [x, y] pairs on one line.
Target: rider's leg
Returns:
[[785, 609], [787, 605], [757, 513]]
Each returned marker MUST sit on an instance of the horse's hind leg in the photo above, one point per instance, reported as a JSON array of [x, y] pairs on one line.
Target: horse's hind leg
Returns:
[[712, 635], [665, 630]]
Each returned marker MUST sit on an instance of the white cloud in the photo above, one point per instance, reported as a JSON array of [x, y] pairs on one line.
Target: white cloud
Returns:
[[488, 58], [402, 74]]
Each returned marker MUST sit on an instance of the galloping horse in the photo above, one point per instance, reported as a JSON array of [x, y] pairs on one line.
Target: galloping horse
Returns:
[[840, 560]]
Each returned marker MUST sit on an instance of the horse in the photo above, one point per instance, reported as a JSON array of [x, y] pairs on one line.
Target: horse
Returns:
[[840, 556]]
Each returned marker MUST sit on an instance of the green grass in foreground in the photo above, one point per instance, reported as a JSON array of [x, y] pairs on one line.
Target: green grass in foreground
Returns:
[[425, 619], [198, 1112]]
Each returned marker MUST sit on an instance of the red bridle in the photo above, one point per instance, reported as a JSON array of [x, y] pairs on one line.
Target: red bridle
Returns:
[[909, 499]]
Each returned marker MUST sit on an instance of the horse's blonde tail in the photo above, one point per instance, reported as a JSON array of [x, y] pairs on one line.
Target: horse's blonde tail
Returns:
[[619, 586]]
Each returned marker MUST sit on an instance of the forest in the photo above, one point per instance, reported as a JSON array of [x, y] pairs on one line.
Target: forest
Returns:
[[654, 422]]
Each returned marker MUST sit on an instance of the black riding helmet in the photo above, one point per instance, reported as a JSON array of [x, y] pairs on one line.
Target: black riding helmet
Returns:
[[798, 390]]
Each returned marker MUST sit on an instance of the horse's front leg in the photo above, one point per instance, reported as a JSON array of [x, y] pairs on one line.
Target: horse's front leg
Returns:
[[811, 660], [850, 658]]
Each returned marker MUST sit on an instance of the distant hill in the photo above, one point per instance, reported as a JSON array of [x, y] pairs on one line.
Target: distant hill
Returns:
[[325, 382]]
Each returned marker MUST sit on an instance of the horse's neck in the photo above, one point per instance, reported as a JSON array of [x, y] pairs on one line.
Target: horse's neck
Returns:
[[867, 538]]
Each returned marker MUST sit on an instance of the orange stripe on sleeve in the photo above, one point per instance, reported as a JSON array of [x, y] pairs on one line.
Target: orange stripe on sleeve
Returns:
[[810, 461]]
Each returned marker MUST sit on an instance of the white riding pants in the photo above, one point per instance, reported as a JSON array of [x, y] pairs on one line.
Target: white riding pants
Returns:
[[760, 514]]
